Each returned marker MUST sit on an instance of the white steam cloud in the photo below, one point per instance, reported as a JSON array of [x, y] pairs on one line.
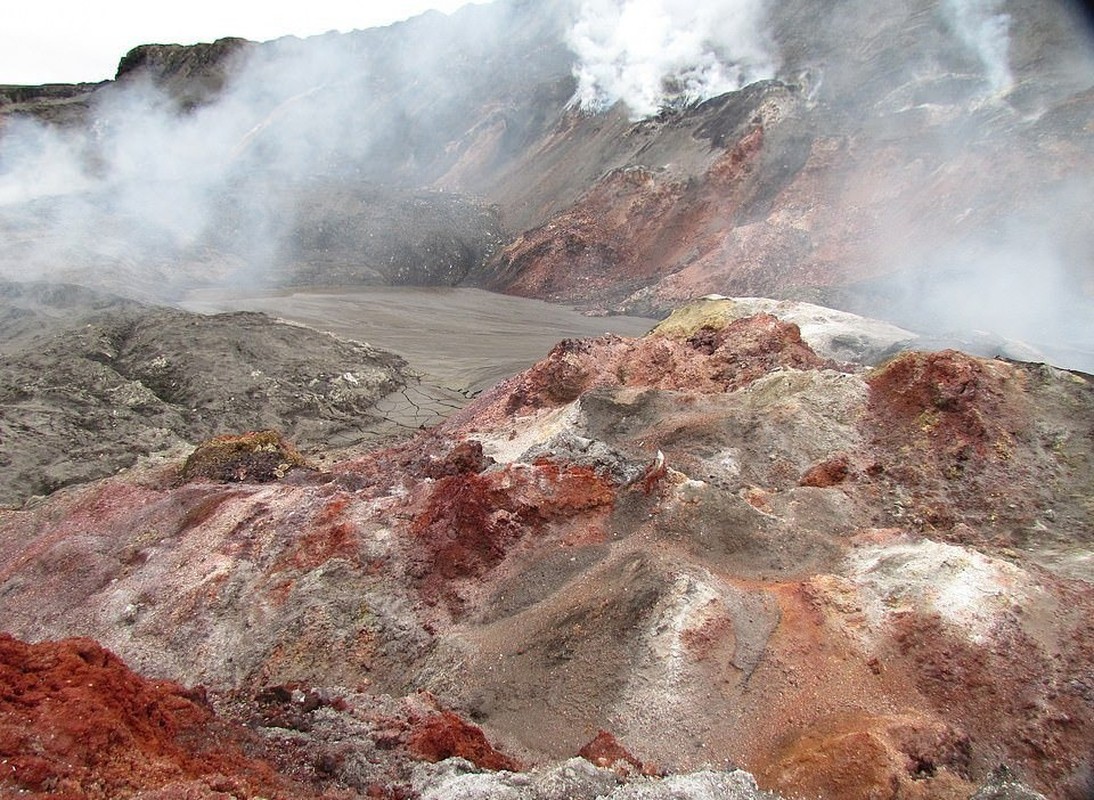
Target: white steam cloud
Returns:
[[986, 31], [654, 53], [155, 193], [141, 179], [1021, 279]]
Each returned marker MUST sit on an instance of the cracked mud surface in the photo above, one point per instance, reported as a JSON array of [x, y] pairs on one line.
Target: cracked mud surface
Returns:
[[464, 340]]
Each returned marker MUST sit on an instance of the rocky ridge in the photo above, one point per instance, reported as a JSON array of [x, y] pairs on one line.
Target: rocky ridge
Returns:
[[712, 542], [91, 383]]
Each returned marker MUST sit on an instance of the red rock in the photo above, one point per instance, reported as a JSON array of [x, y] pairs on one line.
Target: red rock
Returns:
[[470, 521], [604, 242], [956, 430], [75, 721], [447, 735], [710, 361], [959, 410], [827, 473], [1000, 692], [319, 544], [605, 751], [787, 670], [465, 458], [874, 758]]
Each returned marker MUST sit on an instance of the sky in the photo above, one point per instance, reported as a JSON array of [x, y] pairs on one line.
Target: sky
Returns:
[[73, 41]]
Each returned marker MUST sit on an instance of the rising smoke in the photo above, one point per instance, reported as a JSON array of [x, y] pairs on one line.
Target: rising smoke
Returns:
[[653, 53], [1014, 255], [142, 182], [985, 29], [169, 184], [1025, 276]]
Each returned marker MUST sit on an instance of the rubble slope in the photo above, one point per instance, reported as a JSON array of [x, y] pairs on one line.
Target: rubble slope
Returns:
[[717, 545]]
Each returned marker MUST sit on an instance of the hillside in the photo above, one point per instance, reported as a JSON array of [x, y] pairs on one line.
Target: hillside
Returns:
[[815, 522], [886, 161]]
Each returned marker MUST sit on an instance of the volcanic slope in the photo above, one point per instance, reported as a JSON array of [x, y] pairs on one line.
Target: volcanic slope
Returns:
[[886, 164], [92, 382], [712, 542]]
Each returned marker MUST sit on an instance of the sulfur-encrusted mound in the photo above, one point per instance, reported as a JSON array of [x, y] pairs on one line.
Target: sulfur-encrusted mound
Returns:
[[255, 457]]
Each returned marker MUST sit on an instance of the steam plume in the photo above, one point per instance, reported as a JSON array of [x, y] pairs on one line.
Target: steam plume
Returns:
[[653, 53], [985, 30], [169, 183], [167, 194]]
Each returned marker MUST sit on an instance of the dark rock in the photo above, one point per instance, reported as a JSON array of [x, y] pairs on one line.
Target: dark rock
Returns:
[[90, 384]]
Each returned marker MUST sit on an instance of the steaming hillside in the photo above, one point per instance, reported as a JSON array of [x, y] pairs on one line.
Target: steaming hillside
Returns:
[[927, 162], [767, 549]]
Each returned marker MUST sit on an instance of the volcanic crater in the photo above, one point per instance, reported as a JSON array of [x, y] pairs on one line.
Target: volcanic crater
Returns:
[[795, 503]]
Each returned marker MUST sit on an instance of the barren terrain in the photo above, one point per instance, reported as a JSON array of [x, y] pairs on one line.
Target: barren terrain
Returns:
[[306, 492]]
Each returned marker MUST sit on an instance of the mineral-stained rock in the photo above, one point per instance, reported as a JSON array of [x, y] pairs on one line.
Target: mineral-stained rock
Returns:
[[710, 360], [446, 735], [968, 422], [830, 333], [722, 542], [827, 473], [76, 722], [577, 779], [604, 750], [887, 626], [469, 523], [875, 757]]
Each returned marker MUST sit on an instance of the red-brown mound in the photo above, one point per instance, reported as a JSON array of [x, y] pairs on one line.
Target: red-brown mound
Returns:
[[471, 520], [254, 457], [957, 394], [956, 429], [710, 360], [604, 750], [447, 735], [864, 758], [76, 722], [829, 472]]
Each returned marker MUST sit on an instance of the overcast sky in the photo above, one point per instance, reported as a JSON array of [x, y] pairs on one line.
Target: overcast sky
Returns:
[[71, 41]]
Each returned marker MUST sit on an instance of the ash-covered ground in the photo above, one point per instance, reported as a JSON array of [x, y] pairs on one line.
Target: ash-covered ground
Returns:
[[93, 382]]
